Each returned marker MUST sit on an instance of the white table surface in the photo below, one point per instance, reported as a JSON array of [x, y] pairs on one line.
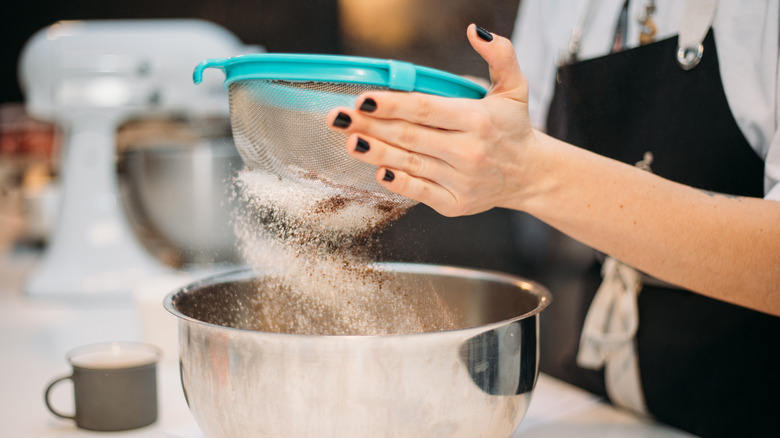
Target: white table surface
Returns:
[[35, 335]]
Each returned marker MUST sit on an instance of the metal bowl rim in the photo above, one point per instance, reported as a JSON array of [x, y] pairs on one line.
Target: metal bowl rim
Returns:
[[545, 298], [220, 147]]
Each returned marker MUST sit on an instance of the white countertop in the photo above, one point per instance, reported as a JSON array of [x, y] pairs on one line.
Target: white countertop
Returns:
[[35, 335]]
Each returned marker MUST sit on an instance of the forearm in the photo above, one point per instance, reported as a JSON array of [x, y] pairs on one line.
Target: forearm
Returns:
[[723, 247]]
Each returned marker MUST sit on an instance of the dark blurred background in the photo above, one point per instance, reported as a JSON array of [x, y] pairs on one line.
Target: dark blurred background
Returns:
[[430, 32]]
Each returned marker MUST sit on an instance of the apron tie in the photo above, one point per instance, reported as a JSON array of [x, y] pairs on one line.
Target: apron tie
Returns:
[[607, 339]]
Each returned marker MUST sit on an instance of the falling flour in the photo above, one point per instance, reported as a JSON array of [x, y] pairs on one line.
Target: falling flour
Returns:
[[313, 244]]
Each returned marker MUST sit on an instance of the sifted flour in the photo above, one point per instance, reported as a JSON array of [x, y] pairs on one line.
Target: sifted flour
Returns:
[[315, 242]]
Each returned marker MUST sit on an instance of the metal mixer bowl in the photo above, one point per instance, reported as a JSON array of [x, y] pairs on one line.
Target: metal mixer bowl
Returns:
[[178, 179], [474, 381]]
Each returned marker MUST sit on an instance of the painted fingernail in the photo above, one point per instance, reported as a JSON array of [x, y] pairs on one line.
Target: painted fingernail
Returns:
[[342, 121], [368, 105], [362, 145], [389, 175], [484, 34]]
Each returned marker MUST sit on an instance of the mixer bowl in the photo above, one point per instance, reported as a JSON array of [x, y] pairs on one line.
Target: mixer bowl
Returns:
[[474, 381], [179, 188]]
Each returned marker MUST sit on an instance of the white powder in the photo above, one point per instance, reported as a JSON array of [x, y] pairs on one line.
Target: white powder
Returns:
[[308, 202], [314, 240]]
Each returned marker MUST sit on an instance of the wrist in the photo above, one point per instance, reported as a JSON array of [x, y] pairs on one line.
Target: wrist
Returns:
[[537, 179]]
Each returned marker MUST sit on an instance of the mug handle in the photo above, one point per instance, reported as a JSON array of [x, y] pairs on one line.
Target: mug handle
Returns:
[[48, 402]]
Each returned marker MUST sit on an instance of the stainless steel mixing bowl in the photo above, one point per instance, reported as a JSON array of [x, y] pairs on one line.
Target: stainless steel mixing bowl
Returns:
[[474, 381]]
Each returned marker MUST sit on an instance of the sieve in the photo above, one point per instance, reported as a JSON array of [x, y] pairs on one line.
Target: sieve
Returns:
[[279, 103]]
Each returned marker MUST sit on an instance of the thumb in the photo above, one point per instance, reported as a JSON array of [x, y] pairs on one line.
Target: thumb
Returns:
[[500, 55]]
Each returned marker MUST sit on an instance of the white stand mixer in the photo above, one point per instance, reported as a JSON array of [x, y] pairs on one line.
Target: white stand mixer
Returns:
[[89, 77]]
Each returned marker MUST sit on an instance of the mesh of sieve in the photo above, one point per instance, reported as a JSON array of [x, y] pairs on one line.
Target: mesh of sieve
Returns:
[[280, 127], [278, 106]]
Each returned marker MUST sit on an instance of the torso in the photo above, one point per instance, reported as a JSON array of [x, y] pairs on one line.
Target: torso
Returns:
[[699, 358]]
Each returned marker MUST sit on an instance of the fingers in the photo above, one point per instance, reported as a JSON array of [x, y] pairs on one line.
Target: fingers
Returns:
[[378, 153], [408, 136], [422, 109], [419, 189], [500, 55], [453, 114], [416, 176]]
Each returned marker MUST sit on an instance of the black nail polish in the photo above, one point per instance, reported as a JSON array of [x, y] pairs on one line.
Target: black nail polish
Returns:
[[362, 145], [389, 175], [368, 105], [484, 34], [342, 121]]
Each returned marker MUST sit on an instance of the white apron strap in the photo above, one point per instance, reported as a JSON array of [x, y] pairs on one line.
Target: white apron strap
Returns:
[[697, 20]]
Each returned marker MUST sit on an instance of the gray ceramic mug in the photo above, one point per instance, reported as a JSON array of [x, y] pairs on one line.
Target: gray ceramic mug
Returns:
[[114, 386]]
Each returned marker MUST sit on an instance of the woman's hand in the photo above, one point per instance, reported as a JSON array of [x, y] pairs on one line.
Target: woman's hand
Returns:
[[459, 156]]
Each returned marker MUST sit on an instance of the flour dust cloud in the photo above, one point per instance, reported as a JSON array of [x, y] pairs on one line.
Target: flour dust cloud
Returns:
[[313, 243]]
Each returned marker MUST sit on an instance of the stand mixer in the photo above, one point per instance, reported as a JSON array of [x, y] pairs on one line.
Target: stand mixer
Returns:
[[90, 77]]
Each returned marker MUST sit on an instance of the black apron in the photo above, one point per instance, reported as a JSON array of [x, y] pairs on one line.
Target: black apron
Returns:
[[707, 367]]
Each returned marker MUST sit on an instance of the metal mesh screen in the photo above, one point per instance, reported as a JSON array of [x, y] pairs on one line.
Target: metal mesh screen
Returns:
[[280, 126]]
